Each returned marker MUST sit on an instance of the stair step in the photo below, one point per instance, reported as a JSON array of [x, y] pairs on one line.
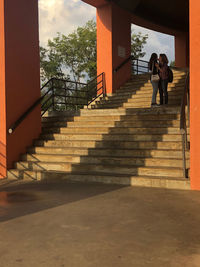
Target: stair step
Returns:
[[145, 104], [130, 124], [123, 111], [147, 81], [110, 144], [124, 118], [152, 153], [110, 137], [128, 117], [139, 99], [111, 160], [113, 130], [57, 118], [139, 94], [144, 181], [124, 169], [147, 85]]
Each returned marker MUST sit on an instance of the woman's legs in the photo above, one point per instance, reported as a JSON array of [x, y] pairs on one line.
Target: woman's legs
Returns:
[[155, 91], [163, 89], [160, 92], [165, 85]]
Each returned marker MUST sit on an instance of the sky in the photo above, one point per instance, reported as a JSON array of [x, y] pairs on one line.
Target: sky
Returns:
[[66, 15]]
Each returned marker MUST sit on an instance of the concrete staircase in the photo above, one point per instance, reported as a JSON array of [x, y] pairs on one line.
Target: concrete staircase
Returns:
[[119, 140]]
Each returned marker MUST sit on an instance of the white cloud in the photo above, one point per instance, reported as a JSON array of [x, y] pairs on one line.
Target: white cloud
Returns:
[[66, 15], [157, 43], [62, 16]]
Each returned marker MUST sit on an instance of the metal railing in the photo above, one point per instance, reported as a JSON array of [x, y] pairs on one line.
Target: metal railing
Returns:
[[184, 118], [138, 66], [60, 95], [122, 64]]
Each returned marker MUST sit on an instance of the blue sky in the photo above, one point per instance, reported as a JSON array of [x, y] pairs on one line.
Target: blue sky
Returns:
[[65, 15]]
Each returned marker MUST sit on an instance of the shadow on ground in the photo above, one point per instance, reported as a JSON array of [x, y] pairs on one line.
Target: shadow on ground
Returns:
[[19, 198]]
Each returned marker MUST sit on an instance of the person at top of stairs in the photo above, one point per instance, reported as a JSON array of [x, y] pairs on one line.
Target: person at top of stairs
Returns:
[[153, 67], [163, 73]]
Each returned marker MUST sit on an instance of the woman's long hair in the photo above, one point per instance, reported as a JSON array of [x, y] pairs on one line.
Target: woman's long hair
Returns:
[[153, 58], [164, 58]]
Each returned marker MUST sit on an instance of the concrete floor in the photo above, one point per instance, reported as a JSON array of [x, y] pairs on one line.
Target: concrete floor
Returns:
[[78, 225]]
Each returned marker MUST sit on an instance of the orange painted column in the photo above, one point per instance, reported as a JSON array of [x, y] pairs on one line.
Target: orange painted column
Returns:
[[3, 163], [113, 44], [19, 77], [182, 50], [195, 93]]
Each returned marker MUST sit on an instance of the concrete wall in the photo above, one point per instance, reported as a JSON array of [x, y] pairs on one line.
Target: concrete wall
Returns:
[[21, 74]]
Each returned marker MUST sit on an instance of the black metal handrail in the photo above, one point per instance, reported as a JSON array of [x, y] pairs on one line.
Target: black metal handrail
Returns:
[[122, 64], [183, 122], [60, 94], [138, 65]]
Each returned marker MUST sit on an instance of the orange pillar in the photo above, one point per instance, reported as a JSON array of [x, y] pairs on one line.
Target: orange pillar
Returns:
[[19, 77], [182, 50], [2, 96], [195, 93], [113, 44]]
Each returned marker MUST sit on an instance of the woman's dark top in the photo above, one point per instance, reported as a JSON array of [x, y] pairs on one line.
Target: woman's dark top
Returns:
[[163, 73], [152, 66]]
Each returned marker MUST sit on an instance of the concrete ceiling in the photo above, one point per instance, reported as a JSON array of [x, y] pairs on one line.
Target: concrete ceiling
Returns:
[[171, 13]]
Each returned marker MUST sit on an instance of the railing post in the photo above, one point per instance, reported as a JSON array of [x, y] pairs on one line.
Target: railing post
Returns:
[[76, 90], [87, 96], [188, 107], [137, 66], [183, 155], [53, 95], [104, 83], [65, 96]]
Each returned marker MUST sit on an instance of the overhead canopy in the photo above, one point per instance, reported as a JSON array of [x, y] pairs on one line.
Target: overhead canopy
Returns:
[[171, 13]]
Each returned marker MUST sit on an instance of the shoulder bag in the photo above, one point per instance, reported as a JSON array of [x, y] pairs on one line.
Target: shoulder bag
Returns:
[[154, 77]]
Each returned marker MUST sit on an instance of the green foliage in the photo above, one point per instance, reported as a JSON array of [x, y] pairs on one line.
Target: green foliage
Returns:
[[137, 44], [76, 53], [74, 57], [172, 63], [50, 63]]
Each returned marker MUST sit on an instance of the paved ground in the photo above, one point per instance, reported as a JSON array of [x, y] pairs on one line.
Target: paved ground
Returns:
[[73, 225]]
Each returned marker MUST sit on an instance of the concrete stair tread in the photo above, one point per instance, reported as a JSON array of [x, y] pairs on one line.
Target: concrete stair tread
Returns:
[[107, 178], [112, 137], [131, 118], [110, 157], [99, 174], [83, 148], [109, 134], [106, 165], [113, 150], [102, 141], [112, 130]]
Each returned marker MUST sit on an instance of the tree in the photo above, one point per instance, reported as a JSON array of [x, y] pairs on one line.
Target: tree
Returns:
[[172, 63], [75, 53], [50, 64], [137, 44]]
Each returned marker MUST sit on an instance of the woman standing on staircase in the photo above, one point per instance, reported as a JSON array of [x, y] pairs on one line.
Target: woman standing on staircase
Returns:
[[153, 67], [164, 75]]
